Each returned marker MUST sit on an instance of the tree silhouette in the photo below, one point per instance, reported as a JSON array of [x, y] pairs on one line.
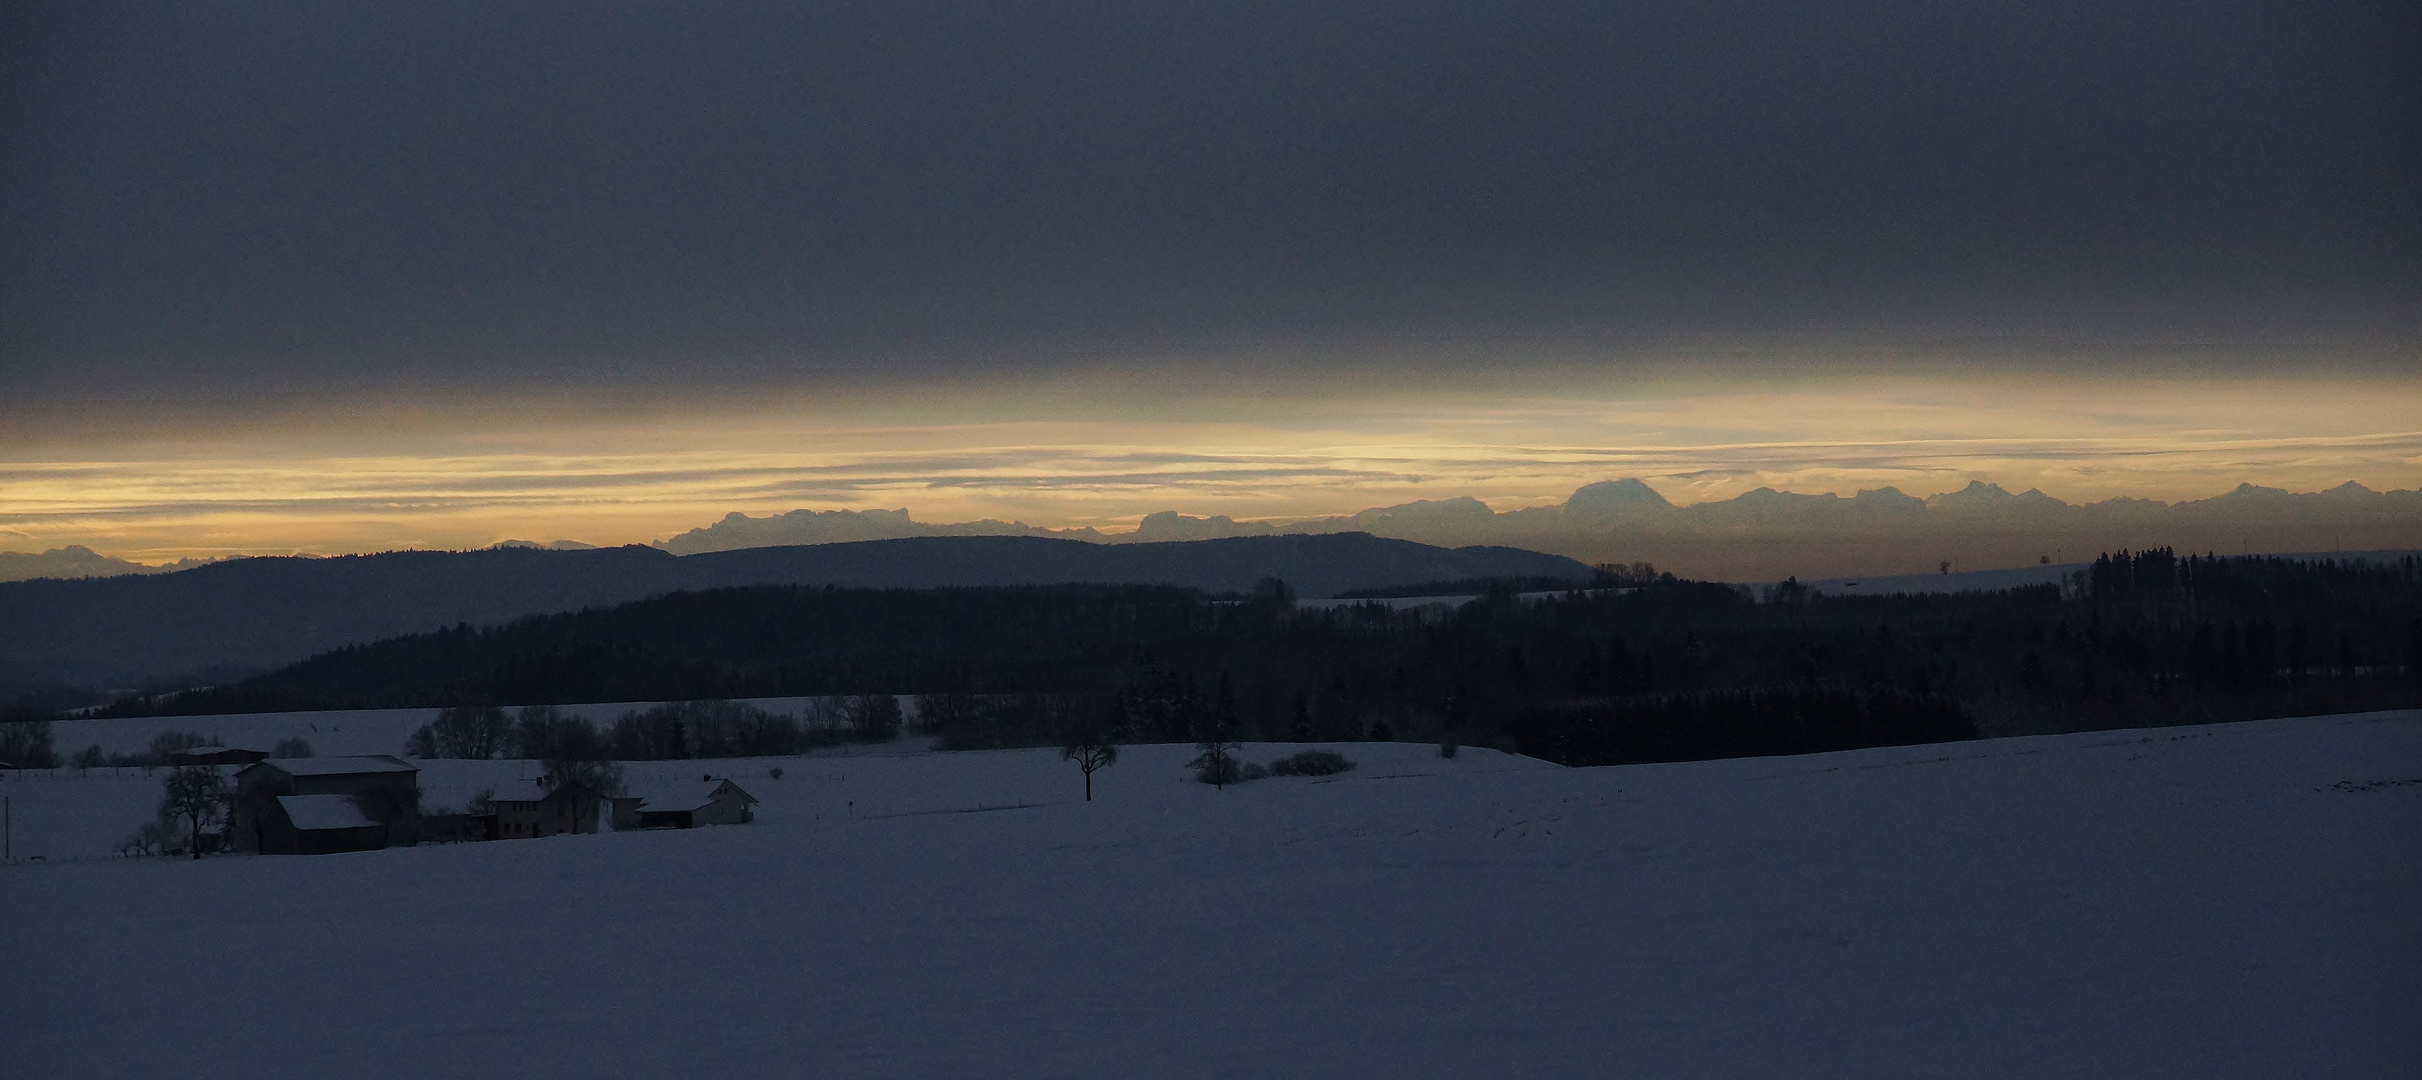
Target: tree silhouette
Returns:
[[195, 793], [25, 741], [475, 732], [1089, 741], [1217, 761]]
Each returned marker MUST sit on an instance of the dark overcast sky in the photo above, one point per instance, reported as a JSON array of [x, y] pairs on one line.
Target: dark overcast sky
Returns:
[[254, 198]]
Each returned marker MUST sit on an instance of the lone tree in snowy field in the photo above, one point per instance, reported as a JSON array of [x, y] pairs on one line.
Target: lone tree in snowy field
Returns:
[[1217, 762], [1088, 741], [196, 794]]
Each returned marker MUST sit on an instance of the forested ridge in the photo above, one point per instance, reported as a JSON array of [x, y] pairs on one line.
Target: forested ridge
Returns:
[[1666, 671], [245, 617]]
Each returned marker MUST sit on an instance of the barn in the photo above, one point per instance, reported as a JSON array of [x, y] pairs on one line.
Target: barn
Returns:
[[330, 775], [319, 825], [683, 804], [383, 790]]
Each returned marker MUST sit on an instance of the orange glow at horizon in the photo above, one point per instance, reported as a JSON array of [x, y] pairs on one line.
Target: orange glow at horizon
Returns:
[[1104, 462]]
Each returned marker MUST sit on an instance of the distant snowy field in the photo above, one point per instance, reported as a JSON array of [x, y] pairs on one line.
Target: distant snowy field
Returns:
[[2227, 901], [360, 731]]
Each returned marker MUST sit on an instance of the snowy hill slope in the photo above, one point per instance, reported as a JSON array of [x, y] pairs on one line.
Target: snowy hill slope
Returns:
[[2195, 902]]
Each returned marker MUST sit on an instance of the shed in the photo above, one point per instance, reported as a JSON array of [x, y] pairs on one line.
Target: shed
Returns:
[[683, 804], [319, 825]]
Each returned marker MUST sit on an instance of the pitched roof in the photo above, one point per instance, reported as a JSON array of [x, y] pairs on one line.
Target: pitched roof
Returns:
[[521, 791], [340, 766], [310, 812], [680, 794], [217, 755], [668, 794], [528, 790]]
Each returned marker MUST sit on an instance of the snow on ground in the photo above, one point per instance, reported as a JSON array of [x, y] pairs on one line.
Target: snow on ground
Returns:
[[2222, 901], [359, 731]]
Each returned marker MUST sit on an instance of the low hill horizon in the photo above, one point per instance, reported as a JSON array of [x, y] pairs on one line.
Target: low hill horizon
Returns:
[[237, 617], [1760, 535]]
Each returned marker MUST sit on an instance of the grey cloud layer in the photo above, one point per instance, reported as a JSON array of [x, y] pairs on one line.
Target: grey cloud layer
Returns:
[[267, 199]]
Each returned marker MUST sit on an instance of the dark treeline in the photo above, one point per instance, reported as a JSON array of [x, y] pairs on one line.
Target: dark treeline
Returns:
[[733, 643], [671, 730], [1670, 670], [27, 742], [1607, 576]]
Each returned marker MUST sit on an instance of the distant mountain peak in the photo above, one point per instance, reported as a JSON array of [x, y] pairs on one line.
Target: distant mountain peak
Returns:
[[1889, 498], [72, 561], [1170, 525], [1762, 533], [738, 530], [1763, 494], [1615, 498], [1977, 493], [1461, 506], [2256, 491]]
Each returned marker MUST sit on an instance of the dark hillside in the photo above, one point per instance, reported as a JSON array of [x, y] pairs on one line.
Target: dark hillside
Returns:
[[742, 642], [228, 619], [250, 614], [1313, 565], [1667, 670]]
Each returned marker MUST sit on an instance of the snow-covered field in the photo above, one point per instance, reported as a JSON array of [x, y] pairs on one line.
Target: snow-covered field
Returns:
[[360, 731], [2229, 901]]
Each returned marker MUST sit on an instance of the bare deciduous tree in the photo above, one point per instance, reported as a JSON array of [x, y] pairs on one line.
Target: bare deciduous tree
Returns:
[[196, 794], [396, 808], [602, 777], [952, 709], [474, 732], [25, 741], [1088, 741], [544, 733], [1217, 763], [876, 717]]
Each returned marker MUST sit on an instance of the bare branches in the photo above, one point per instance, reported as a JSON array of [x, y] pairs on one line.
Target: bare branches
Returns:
[[1089, 740], [196, 794]]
